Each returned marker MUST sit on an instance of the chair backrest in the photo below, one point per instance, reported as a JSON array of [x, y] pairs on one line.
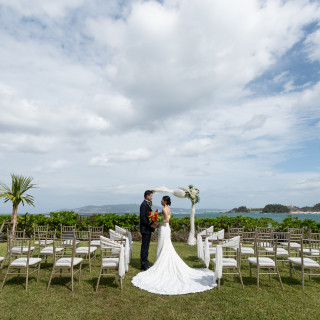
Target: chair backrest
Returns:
[[233, 232], [40, 228], [67, 232], [83, 236], [205, 232], [66, 245], [44, 234], [106, 246], [296, 230], [247, 239], [296, 234], [281, 236], [122, 230], [116, 235], [265, 234], [19, 247], [232, 248], [312, 246], [96, 232], [18, 234], [259, 248]]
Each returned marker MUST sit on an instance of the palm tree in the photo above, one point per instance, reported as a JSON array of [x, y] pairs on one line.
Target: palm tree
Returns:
[[16, 195]]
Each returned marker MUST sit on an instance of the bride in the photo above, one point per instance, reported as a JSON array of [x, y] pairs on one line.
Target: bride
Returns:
[[170, 275]]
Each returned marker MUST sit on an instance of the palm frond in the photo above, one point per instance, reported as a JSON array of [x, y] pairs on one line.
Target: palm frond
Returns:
[[16, 194]]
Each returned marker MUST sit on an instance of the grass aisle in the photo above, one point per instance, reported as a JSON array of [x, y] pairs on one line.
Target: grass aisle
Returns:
[[109, 303]]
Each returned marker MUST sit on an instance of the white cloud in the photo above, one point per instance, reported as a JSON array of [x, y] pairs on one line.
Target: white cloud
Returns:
[[140, 154], [56, 8], [309, 184], [111, 98], [313, 45]]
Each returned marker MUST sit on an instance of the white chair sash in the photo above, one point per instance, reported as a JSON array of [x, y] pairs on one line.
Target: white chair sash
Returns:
[[130, 240], [230, 243], [108, 243], [219, 235], [127, 254], [120, 230], [206, 251], [114, 235], [125, 233], [200, 247], [207, 231]]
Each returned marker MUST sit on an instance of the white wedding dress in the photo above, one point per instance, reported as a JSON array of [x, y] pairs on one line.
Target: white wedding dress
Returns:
[[170, 275]]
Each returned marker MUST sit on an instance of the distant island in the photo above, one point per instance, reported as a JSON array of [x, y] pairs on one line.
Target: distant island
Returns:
[[276, 208]]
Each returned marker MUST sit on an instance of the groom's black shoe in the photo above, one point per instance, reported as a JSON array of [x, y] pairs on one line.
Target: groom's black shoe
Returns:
[[145, 268]]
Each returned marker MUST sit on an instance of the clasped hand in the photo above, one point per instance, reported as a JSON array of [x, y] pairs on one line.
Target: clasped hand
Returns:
[[155, 225]]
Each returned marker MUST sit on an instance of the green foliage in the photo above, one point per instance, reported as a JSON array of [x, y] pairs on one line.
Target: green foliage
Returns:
[[275, 208], [315, 208], [109, 220], [16, 194], [241, 209]]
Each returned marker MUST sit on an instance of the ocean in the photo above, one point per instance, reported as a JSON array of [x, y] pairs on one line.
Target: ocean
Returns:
[[275, 216]]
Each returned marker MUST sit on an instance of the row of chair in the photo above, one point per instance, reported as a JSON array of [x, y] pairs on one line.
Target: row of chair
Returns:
[[67, 254], [262, 249]]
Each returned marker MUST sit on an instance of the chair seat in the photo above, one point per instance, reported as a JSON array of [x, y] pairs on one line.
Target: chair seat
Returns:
[[66, 262], [49, 250], [84, 250], [309, 263], [44, 242], [70, 242], [21, 249], [110, 263], [312, 252], [22, 262], [263, 262], [293, 245], [228, 262], [280, 251], [247, 251], [95, 243]]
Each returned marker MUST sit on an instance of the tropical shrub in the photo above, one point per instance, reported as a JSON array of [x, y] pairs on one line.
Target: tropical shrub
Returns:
[[178, 224]]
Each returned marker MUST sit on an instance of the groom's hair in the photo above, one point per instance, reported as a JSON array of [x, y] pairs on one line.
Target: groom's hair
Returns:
[[147, 193]]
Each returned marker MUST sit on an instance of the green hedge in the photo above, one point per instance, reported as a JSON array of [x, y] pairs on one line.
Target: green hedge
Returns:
[[109, 220]]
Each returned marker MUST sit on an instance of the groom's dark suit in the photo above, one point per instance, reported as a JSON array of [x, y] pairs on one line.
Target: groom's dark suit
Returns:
[[145, 230]]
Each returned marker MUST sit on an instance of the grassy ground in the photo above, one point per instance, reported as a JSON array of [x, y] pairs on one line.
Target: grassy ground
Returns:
[[270, 302]]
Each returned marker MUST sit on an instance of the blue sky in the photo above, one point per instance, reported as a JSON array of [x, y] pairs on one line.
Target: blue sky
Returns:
[[101, 100]]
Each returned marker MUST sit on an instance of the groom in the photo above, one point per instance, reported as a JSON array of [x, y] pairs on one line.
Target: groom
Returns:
[[146, 228]]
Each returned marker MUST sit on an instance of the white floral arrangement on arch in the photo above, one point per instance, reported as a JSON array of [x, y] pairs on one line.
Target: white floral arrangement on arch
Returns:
[[192, 193]]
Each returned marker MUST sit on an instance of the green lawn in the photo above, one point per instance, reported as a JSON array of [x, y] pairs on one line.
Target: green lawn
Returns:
[[270, 302]]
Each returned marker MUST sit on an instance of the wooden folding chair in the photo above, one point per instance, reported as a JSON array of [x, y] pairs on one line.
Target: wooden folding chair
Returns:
[[25, 261]]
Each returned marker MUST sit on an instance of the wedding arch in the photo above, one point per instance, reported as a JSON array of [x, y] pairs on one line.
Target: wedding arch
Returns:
[[193, 194]]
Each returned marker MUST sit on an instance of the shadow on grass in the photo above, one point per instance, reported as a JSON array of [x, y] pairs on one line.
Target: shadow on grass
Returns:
[[105, 282], [135, 263], [16, 280]]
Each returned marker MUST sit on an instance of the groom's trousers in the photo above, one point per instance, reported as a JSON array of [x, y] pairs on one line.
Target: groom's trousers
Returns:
[[145, 250]]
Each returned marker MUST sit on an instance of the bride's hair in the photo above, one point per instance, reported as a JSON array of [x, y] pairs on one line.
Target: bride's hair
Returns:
[[167, 200]]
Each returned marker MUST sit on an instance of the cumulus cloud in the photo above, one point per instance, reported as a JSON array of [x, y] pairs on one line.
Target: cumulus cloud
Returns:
[[117, 96]]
